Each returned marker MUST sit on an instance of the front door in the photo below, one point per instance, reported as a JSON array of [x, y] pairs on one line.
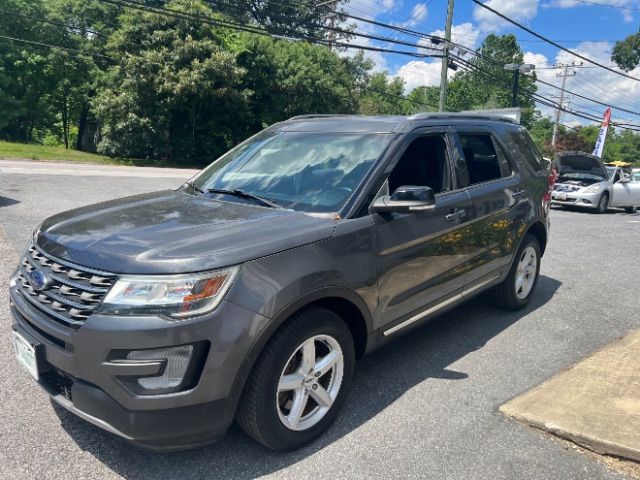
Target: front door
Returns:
[[626, 194], [419, 254]]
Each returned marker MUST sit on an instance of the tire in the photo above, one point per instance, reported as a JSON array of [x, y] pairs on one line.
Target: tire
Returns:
[[630, 209], [603, 203], [266, 413], [505, 295]]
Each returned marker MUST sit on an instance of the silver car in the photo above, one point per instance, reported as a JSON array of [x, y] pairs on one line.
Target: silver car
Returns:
[[584, 181]]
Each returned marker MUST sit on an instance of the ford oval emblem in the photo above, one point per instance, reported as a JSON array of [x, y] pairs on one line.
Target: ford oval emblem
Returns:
[[38, 280]]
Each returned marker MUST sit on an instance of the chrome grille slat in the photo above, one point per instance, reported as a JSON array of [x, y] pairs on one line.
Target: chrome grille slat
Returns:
[[73, 293]]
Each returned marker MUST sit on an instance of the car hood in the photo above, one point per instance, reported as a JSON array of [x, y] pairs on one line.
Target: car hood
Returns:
[[580, 162], [175, 232]]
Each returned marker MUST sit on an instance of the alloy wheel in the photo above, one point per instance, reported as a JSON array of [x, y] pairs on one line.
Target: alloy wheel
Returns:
[[526, 272], [310, 382]]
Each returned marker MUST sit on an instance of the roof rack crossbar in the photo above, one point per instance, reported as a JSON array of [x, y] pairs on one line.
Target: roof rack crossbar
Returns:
[[502, 117]]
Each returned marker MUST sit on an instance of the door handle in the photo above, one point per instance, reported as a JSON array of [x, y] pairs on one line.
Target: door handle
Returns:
[[455, 214], [518, 194]]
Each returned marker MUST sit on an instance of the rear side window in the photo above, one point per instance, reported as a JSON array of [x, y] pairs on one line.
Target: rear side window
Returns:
[[528, 150], [483, 162]]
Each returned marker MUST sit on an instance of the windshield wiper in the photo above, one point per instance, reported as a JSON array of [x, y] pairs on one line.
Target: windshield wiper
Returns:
[[242, 194]]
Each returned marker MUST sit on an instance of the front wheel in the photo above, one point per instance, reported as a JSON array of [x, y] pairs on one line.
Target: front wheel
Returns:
[[300, 381], [603, 203], [515, 291]]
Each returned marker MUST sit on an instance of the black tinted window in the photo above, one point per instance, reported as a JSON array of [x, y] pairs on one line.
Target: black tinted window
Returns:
[[480, 155], [423, 164], [528, 151]]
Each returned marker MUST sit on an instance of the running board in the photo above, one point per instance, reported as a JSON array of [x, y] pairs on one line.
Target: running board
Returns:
[[439, 306]]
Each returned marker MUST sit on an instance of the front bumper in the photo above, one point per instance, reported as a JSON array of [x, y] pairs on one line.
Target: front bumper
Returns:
[[80, 376], [577, 199]]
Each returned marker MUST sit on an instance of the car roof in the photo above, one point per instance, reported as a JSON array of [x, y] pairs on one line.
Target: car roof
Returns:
[[385, 123]]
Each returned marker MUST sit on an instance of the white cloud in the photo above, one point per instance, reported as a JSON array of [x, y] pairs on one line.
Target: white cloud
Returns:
[[464, 34], [418, 73], [520, 10], [418, 13], [591, 82]]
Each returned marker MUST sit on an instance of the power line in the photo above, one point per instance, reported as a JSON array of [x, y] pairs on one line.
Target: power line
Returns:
[[49, 45], [246, 28], [551, 42], [53, 22], [621, 7]]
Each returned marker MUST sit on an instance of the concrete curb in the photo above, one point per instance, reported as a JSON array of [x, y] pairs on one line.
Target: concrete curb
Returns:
[[595, 403]]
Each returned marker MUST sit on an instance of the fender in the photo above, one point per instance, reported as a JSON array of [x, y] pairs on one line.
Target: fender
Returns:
[[278, 319]]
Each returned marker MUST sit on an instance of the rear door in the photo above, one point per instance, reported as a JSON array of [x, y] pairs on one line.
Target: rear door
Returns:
[[499, 203], [420, 254]]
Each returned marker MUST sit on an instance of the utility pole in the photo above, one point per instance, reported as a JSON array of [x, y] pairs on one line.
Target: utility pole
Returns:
[[445, 57], [566, 70], [517, 68]]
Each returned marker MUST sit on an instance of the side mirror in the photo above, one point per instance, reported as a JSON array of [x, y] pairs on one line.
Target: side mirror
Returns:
[[407, 199], [625, 179]]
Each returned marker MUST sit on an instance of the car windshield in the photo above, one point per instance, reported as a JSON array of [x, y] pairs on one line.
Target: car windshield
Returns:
[[313, 172]]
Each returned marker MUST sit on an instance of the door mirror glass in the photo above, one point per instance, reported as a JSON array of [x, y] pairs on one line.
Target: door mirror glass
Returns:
[[406, 199], [625, 179]]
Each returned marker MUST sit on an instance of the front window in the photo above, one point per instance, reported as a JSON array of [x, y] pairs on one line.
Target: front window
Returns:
[[314, 172]]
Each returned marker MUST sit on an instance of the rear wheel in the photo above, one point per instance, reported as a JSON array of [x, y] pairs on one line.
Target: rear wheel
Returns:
[[299, 382], [515, 291], [603, 203], [630, 209]]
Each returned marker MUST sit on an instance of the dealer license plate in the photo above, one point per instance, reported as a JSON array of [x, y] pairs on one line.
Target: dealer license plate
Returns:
[[561, 196], [26, 354]]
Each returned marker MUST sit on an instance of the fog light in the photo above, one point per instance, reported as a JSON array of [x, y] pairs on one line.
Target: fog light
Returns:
[[177, 363], [584, 200]]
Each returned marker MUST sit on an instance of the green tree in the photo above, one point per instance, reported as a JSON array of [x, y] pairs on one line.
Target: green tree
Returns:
[[293, 78], [383, 96], [488, 84], [287, 18], [176, 92], [626, 53], [423, 99]]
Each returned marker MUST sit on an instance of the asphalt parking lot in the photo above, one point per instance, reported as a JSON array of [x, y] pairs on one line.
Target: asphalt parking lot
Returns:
[[424, 407]]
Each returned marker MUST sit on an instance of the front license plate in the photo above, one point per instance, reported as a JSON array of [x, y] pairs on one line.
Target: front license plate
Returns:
[[561, 196], [26, 354]]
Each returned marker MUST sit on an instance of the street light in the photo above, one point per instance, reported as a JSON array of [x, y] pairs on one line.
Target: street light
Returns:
[[516, 68]]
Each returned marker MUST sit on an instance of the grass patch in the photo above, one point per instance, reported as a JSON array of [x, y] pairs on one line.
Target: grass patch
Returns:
[[28, 151]]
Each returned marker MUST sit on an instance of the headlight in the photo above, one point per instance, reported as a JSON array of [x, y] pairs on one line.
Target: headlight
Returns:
[[177, 296], [592, 188]]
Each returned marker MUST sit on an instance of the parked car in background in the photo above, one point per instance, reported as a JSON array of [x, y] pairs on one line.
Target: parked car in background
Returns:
[[250, 291], [585, 181]]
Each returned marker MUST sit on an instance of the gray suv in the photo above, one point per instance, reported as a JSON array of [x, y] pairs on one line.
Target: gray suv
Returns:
[[249, 292]]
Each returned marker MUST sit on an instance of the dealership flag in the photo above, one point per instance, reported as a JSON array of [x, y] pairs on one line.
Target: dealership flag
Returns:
[[602, 136]]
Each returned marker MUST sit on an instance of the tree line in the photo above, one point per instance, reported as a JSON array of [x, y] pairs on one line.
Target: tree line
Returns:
[[179, 82]]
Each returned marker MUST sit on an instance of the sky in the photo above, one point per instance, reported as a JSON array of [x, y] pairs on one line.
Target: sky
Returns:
[[579, 25]]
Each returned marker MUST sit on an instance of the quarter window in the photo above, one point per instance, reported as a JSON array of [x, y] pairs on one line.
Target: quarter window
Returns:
[[528, 151], [483, 162]]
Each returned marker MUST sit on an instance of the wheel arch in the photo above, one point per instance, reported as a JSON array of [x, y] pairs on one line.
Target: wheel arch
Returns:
[[538, 230], [343, 301]]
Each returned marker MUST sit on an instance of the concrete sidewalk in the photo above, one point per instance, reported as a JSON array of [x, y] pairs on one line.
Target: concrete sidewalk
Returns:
[[595, 403]]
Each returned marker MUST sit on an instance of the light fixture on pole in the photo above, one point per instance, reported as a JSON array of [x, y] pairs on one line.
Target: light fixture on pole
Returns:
[[516, 68]]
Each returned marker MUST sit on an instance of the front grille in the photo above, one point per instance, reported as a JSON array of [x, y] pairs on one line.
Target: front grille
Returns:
[[58, 381], [73, 292]]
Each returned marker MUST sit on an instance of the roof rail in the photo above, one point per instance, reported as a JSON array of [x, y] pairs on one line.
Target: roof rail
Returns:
[[507, 117], [319, 115]]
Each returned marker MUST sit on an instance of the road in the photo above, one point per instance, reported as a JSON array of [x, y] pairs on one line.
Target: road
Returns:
[[424, 407]]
